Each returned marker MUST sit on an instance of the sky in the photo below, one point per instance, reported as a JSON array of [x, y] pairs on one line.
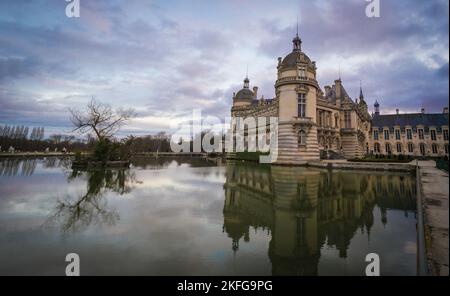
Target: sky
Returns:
[[166, 58]]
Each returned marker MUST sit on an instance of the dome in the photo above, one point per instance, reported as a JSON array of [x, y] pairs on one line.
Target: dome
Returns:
[[244, 94], [291, 60]]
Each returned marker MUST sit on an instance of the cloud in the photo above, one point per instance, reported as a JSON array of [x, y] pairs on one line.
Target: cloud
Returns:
[[166, 59]]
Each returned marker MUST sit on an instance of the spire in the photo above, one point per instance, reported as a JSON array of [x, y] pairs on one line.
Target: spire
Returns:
[[361, 96], [297, 41]]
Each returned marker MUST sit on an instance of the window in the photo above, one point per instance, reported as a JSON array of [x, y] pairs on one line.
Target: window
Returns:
[[445, 135], [422, 149], [421, 134], [397, 134], [301, 105], [386, 134], [376, 148], [409, 134], [348, 119], [302, 138], [433, 135], [399, 148], [388, 148], [375, 135], [410, 147], [446, 148], [434, 148], [302, 72]]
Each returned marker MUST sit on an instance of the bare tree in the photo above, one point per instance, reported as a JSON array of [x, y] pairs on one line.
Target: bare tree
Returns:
[[101, 119]]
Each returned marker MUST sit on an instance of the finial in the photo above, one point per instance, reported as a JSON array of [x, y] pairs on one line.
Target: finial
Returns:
[[246, 80]]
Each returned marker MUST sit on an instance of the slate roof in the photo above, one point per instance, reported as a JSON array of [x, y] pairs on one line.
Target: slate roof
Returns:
[[244, 94], [412, 119], [290, 61], [331, 94]]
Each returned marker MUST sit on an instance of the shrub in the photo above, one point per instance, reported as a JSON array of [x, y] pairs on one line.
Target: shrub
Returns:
[[78, 156]]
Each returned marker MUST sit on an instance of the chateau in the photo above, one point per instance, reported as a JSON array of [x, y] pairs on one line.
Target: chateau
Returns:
[[315, 123]]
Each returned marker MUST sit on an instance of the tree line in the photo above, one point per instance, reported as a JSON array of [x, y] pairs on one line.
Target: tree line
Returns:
[[21, 139], [21, 132]]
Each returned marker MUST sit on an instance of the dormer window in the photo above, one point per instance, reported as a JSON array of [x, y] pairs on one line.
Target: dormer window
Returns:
[[302, 72]]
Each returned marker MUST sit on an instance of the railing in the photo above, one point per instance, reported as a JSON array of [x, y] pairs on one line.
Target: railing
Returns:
[[302, 120], [295, 78]]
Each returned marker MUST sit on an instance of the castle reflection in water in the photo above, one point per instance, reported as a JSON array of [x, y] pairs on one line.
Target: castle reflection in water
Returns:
[[303, 209]]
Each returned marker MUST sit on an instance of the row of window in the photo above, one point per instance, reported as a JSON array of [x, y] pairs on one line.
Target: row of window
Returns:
[[409, 134], [399, 147]]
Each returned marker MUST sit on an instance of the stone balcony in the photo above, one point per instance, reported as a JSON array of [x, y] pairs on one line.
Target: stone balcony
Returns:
[[296, 79], [302, 121], [327, 129]]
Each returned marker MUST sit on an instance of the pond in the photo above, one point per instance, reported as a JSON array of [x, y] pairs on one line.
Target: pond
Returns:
[[188, 216]]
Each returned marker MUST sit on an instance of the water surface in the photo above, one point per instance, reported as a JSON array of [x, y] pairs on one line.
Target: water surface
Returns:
[[191, 217]]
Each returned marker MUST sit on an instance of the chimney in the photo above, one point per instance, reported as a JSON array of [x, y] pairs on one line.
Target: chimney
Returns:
[[327, 89], [398, 111], [337, 83], [422, 110], [445, 110], [255, 91]]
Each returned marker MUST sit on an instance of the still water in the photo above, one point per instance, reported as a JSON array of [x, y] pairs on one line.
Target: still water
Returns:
[[192, 217]]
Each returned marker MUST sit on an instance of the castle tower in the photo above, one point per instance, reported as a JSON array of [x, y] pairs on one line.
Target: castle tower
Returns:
[[245, 96], [296, 89]]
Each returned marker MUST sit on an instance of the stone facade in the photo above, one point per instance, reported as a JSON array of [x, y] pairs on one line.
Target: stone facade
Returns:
[[414, 134], [315, 123], [311, 122]]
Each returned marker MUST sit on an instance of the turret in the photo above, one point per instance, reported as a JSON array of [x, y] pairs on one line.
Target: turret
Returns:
[[377, 108]]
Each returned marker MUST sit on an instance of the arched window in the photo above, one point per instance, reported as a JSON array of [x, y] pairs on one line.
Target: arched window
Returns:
[[302, 138], [376, 148]]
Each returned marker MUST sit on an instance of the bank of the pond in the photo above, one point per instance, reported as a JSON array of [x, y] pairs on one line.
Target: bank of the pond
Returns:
[[433, 196], [366, 166], [34, 154]]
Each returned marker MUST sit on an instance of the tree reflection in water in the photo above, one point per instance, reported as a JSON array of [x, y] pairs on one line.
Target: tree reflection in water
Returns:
[[10, 167], [76, 213]]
